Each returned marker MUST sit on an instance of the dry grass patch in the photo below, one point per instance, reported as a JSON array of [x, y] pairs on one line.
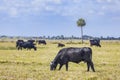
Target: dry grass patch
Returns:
[[34, 65]]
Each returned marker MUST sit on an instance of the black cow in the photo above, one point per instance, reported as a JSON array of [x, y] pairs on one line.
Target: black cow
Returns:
[[75, 55], [32, 41], [42, 42], [26, 45], [95, 42], [61, 45]]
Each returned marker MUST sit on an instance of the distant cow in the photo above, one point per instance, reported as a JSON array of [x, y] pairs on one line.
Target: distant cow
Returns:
[[95, 42], [32, 41], [75, 55], [42, 42], [26, 45], [61, 45], [18, 42]]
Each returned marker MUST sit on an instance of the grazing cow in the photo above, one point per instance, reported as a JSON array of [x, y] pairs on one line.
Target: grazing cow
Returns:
[[95, 42], [75, 55], [26, 45], [60, 45], [42, 42]]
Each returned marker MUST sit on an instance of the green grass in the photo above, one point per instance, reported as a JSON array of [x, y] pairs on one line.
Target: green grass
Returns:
[[34, 65]]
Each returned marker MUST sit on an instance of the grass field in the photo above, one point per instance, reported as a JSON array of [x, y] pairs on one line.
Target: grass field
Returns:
[[34, 65]]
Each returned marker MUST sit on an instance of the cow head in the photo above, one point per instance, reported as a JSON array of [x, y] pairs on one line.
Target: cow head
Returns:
[[53, 65]]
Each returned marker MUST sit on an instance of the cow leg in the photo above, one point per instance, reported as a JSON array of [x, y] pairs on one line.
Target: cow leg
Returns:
[[92, 66], [99, 45], [29, 48], [18, 48], [66, 66], [21, 48], [88, 66], [60, 66], [34, 48], [91, 45]]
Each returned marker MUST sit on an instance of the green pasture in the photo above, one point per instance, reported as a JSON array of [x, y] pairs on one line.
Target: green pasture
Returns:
[[34, 65]]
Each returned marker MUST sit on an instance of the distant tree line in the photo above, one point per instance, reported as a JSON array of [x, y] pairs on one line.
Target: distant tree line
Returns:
[[62, 37]]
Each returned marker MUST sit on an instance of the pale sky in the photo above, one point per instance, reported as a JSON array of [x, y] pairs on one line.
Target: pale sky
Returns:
[[58, 17]]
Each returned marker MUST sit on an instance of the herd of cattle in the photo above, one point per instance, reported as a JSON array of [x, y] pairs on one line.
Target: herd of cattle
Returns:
[[65, 55], [20, 44]]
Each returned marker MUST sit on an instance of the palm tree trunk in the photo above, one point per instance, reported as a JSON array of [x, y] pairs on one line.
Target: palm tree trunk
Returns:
[[81, 34]]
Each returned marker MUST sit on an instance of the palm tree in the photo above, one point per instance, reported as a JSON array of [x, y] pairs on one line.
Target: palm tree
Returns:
[[80, 23]]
